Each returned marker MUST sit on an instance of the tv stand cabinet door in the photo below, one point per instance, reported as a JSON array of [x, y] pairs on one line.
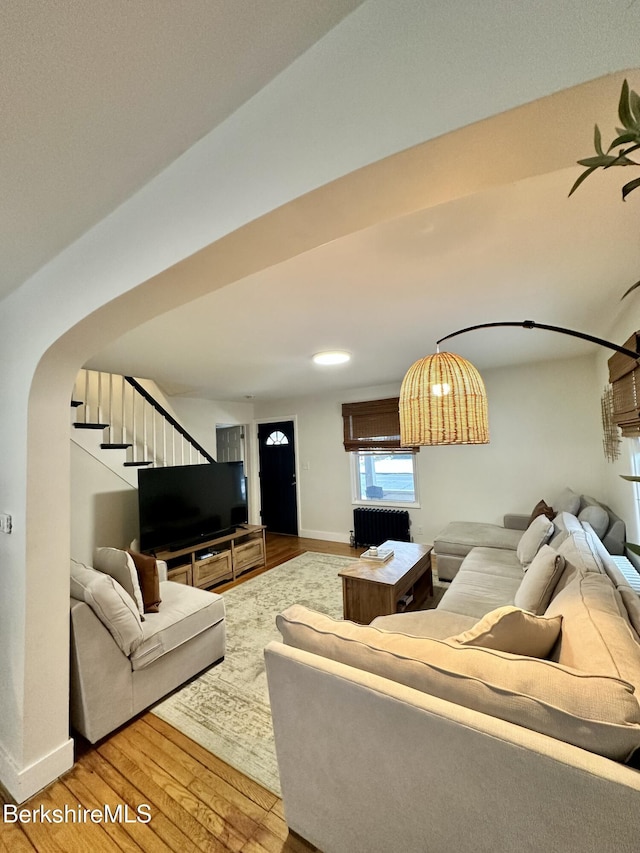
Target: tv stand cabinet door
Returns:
[[181, 574], [212, 570], [248, 555]]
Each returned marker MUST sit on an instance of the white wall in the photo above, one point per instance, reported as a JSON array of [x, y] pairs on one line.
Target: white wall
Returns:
[[104, 508], [384, 79], [199, 417], [545, 435]]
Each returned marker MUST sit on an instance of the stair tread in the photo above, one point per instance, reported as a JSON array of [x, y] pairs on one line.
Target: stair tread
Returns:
[[76, 403], [90, 426], [114, 446], [137, 464]]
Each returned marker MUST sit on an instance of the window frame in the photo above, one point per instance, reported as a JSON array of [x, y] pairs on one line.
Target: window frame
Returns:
[[358, 500]]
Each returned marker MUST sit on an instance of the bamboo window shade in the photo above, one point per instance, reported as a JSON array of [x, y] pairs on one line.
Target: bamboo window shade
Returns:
[[373, 425], [624, 376]]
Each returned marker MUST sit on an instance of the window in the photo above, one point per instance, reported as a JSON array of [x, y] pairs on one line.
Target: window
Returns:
[[387, 477], [382, 471], [276, 438]]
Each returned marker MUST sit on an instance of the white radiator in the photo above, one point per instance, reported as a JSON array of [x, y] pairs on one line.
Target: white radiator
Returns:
[[629, 571]]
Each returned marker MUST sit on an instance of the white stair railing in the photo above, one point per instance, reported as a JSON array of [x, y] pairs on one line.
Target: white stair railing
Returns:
[[134, 420]]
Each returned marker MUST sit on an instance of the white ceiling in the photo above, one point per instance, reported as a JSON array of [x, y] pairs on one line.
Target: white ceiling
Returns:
[[97, 98], [386, 294]]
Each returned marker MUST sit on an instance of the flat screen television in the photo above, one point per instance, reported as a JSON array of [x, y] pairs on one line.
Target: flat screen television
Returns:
[[182, 505]]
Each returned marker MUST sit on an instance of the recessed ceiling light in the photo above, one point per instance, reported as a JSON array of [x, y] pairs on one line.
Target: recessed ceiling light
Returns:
[[332, 357]]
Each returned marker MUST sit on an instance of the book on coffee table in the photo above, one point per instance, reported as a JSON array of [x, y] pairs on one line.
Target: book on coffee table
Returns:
[[381, 555]]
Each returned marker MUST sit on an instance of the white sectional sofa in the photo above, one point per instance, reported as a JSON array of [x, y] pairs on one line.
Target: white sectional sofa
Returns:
[[452, 544], [455, 730], [123, 659]]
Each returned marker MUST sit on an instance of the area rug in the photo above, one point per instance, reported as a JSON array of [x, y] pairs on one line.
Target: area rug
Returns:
[[226, 709]]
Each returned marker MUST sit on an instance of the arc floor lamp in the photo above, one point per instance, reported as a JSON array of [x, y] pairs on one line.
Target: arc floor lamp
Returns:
[[443, 399]]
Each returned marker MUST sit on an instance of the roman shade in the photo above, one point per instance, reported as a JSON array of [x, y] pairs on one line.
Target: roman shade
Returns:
[[373, 425], [624, 375]]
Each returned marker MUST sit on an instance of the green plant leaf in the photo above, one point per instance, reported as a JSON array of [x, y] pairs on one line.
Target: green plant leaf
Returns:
[[599, 160], [630, 187], [634, 102], [597, 140], [624, 138], [630, 290], [635, 549], [624, 110], [582, 177]]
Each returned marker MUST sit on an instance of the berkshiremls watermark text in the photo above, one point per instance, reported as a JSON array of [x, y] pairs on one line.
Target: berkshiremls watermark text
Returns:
[[122, 813]]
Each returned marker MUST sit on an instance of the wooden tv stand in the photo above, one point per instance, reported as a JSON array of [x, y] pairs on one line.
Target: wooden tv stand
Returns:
[[217, 560]]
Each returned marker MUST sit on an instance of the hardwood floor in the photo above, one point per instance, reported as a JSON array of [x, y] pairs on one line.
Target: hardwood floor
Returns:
[[195, 800]]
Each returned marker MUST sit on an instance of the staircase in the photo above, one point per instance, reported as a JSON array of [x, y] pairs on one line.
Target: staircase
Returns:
[[132, 428]]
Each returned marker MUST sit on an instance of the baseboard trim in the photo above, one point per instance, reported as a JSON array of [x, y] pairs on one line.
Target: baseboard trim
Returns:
[[322, 534], [20, 785]]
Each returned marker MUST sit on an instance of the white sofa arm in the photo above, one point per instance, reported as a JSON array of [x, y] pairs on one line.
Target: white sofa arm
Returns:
[[162, 570], [368, 764]]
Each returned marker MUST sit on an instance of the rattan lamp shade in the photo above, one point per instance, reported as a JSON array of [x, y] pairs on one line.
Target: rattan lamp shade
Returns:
[[443, 401]]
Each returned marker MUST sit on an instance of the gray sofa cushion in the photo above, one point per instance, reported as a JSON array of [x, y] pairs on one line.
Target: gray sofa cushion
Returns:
[[595, 636], [567, 501], [437, 624], [537, 533], [539, 582], [597, 517], [185, 612], [460, 537], [474, 592], [113, 606]]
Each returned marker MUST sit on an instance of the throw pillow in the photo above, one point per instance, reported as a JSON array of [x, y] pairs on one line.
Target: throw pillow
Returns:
[[113, 606], [542, 508], [536, 589], [534, 537], [147, 570], [118, 564], [597, 517], [510, 629]]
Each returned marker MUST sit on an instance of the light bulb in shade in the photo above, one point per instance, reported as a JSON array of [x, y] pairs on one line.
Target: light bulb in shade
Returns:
[[331, 357], [441, 390]]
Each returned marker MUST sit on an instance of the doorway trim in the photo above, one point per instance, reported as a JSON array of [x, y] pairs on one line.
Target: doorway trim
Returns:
[[254, 488]]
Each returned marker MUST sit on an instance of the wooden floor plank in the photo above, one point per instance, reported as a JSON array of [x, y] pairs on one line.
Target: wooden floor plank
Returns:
[[198, 801], [133, 835], [168, 833], [13, 839], [200, 825], [250, 789], [114, 830], [235, 807], [207, 788]]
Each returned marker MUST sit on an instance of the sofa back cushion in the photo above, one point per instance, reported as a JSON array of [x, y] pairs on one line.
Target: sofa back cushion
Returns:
[[595, 636], [120, 566], [564, 524], [113, 606], [567, 501], [594, 712], [579, 551], [539, 581], [534, 537]]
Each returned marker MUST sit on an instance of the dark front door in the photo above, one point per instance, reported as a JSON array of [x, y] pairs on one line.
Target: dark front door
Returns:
[[277, 457]]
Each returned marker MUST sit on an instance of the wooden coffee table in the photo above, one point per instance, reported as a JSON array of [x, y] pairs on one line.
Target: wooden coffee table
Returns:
[[371, 589]]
